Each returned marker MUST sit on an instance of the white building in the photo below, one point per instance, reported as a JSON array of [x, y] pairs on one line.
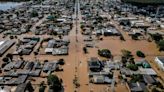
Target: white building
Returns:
[[160, 62]]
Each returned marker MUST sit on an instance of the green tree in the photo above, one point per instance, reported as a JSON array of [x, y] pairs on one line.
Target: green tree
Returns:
[[134, 37], [140, 54], [42, 87], [5, 59], [157, 37], [132, 67], [34, 13], [29, 87], [85, 50], [105, 53], [124, 60], [54, 82], [161, 45], [125, 53], [136, 78], [61, 61]]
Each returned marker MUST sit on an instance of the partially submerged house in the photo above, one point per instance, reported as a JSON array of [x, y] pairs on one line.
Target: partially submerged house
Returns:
[[160, 62]]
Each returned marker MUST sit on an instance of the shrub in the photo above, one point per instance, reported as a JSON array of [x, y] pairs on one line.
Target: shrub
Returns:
[[161, 45], [105, 53], [11, 37], [61, 61], [157, 37], [122, 38], [125, 53], [136, 78], [134, 37], [54, 82], [34, 13], [5, 59], [140, 54], [132, 67], [85, 50]]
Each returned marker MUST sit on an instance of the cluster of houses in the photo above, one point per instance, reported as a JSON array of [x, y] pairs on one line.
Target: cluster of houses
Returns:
[[20, 20], [18, 71], [58, 22], [139, 20], [57, 47], [47, 17], [100, 71], [26, 45], [55, 26], [146, 76], [95, 22], [17, 21]]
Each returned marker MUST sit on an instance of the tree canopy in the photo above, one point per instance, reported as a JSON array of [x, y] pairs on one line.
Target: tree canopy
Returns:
[[105, 53], [126, 53], [140, 54], [54, 82], [161, 45]]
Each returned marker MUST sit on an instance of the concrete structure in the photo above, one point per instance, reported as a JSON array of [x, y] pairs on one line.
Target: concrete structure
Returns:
[[160, 62]]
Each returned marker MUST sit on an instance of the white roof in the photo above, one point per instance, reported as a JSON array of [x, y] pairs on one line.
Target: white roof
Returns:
[[1, 42], [48, 49], [148, 71]]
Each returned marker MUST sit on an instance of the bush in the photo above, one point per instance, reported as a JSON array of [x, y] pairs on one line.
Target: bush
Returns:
[[54, 82], [85, 50], [157, 37], [161, 45], [11, 37], [45, 60], [41, 88], [61, 61], [132, 67], [101, 39], [140, 54], [124, 60], [134, 37], [122, 38], [125, 53], [5, 59], [34, 13], [9, 55], [136, 78], [105, 53]]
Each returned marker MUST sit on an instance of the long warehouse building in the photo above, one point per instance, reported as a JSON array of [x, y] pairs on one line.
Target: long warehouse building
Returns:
[[5, 45]]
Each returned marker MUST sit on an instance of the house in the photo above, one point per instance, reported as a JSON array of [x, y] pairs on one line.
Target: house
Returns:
[[50, 66], [148, 71], [18, 64], [136, 87], [94, 64], [100, 79], [149, 79], [24, 87], [5, 45], [143, 63], [160, 62]]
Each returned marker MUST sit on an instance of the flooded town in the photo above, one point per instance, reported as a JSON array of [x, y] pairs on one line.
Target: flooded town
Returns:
[[82, 46]]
